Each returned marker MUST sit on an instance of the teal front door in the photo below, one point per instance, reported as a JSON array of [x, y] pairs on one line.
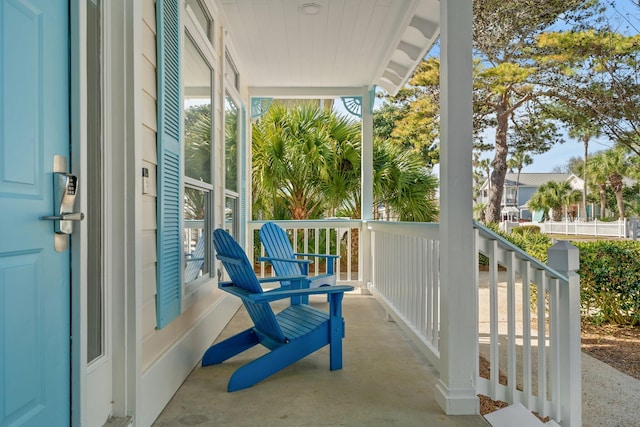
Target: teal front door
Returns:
[[34, 278]]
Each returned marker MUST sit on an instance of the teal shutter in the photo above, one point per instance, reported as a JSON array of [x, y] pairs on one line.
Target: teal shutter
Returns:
[[169, 214]]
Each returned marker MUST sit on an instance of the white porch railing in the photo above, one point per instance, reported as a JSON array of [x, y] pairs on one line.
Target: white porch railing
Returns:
[[617, 228], [329, 237], [533, 341], [405, 259], [529, 328]]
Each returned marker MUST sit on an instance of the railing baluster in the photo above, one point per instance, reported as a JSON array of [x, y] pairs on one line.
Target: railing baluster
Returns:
[[511, 325], [541, 282], [554, 346], [526, 332]]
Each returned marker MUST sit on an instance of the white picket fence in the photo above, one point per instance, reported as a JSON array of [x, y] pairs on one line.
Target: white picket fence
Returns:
[[619, 228]]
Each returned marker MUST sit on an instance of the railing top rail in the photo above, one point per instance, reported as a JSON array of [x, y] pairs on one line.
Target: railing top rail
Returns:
[[504, 243], [310, 223], [418, 229]]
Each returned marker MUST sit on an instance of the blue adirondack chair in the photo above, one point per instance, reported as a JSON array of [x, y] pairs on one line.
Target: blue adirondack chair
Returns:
[[291, 334], [285, 262]]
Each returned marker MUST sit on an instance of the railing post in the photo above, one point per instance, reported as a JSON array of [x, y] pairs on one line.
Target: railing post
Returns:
[[564, 258]]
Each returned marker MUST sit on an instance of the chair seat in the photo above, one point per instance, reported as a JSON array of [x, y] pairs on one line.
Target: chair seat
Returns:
[[298, 320]]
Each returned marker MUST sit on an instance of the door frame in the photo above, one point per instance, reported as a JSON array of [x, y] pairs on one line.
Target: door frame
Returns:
[[121, 204], [78, 240]]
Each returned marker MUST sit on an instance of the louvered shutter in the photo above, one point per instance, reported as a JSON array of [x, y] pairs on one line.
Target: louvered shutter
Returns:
[[168, 295]]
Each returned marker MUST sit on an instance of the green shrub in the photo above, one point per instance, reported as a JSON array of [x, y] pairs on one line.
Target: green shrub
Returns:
[[609, 274], [533, 229], [610, 281], [534, 243], [528, 238]]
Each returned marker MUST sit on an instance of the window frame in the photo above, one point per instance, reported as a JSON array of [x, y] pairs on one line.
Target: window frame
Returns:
[[191, 29], [231, 92]]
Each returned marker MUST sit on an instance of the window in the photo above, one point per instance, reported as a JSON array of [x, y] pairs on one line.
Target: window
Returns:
[[202, 17], [197, 78], [231, 72], [231, 165]]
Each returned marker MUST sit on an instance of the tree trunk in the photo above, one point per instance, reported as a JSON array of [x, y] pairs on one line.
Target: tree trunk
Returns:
[[603, 200], [620, 204], [499, 168], [616, 185], [518, 184], [584, 184]]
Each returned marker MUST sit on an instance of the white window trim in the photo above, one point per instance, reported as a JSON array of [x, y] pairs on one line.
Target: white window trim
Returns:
[[191, 291]]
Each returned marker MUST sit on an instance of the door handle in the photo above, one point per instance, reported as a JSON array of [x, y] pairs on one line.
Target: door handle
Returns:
[[73, 216]]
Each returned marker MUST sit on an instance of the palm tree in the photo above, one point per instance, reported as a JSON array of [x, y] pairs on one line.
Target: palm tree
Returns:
[[616, 163], [584, 130], [340, 181], [553, 196], [598, 176], [519, 160], [290, 149], [306, 164], [402, 183]]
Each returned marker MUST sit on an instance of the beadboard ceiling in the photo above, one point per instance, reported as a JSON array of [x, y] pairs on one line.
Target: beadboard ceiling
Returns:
[[348, 43]]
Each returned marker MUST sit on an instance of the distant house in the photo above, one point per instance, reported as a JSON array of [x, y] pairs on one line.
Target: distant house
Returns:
[[525, 187]]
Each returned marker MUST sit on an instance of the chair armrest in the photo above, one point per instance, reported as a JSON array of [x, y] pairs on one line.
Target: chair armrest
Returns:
[[283, 278], [229, 259], [231, 287], [318, 255], [278, 294], [297, 261]]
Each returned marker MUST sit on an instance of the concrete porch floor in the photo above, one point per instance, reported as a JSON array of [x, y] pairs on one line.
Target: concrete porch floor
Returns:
[[385, 381]]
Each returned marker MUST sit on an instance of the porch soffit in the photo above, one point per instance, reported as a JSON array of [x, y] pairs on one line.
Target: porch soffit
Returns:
[[347, 44]]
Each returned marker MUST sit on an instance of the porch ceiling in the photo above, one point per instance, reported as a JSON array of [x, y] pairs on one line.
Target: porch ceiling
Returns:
[[347, 43]]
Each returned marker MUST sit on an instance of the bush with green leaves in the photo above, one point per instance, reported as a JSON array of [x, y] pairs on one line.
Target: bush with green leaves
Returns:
[[526, 229], [609, 274], [610, 281], [529, 239]]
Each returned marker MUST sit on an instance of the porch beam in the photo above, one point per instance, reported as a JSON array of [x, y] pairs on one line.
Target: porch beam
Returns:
[[456, 388], [305, 92]]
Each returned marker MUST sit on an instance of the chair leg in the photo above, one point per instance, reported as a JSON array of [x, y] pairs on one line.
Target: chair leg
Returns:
[[272, 362], [336, 331], [223, 350]]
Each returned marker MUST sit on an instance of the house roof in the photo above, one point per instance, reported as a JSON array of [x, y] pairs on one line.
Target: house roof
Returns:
[[534, 179], [346, 43], [537, 179], [531, 179]]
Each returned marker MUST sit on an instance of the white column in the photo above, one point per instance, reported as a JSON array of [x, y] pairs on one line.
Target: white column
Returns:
[[366, 161], [366, 179], [456, 388]]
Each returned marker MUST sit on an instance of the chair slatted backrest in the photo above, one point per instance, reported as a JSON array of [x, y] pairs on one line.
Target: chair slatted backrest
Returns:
[[277, 245], [242, 275]]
